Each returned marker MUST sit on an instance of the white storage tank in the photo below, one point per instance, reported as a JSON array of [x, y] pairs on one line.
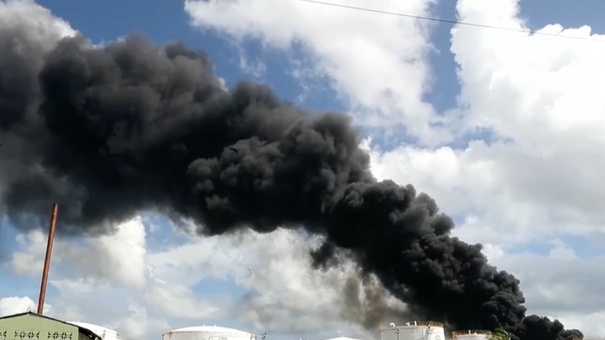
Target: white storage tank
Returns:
[[104, 332], [207, 333], [471, 335], [342, 338], [415, 330]]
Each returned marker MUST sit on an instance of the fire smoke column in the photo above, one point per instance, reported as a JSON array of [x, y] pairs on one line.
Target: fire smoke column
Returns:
[[49, 250], [131, 126]]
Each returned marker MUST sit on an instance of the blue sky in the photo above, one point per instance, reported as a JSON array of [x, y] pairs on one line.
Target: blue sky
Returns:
[[497, 189]]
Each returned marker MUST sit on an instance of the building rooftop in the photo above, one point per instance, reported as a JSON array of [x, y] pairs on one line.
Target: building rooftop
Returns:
[[90, 334]]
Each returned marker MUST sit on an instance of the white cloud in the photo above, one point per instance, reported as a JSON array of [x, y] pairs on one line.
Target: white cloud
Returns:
[[376, 63], [255, 67], [283, 293], [45, 28], [138, 324], [15, 305], [30, 259], [123, 253]]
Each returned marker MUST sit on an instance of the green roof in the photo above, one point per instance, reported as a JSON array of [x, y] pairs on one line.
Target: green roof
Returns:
[[82, 330]]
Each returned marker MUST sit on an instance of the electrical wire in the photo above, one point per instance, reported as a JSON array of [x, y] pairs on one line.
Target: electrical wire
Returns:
[[449, 21]]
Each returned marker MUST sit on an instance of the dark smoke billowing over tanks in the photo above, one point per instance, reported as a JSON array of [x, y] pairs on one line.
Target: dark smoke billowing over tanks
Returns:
[[107, 132]]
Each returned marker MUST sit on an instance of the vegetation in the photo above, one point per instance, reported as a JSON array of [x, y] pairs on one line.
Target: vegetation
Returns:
[[499, 334]]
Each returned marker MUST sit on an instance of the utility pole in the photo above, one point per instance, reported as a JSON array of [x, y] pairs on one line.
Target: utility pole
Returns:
[[49, 251]]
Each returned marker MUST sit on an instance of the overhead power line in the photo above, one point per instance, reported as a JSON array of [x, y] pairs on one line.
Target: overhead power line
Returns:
[[448, 21]]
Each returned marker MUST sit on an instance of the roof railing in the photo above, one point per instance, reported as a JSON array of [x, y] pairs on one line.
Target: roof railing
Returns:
[[412, 324], [471, 332]]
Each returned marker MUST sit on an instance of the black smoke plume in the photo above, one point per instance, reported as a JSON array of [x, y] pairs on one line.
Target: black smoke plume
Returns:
[[107, 132]]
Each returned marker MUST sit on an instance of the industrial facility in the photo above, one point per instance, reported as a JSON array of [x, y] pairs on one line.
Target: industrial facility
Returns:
[[32, 326], [416, 330]]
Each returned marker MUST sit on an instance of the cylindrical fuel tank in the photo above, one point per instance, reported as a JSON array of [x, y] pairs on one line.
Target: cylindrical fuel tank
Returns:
[[415, 330], [207, 333]]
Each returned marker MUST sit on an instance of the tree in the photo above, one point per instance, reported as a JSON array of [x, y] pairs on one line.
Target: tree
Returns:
[[499, 334]]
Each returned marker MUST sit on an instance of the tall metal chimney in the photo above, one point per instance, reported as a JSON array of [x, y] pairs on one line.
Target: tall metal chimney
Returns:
[[49, 251]]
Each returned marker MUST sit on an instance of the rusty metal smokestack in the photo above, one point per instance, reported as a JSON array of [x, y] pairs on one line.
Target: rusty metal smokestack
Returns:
[[49, 251]]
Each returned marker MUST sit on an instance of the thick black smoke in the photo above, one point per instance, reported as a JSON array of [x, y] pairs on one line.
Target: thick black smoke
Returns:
[[107, 132]]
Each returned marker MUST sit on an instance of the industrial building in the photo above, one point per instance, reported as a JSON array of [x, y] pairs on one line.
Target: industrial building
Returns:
[[32, 326]]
